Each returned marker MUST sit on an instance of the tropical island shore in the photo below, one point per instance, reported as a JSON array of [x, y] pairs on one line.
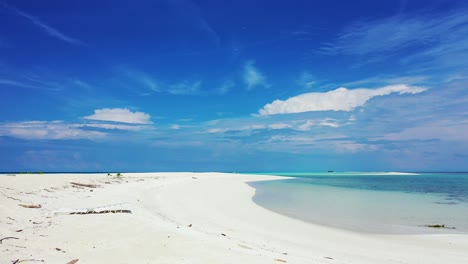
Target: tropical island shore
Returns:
[[182, 218]]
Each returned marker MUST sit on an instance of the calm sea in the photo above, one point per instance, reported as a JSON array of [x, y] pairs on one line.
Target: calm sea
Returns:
[[389, 203]]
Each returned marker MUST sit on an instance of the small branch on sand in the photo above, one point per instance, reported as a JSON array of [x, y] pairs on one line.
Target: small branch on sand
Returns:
[[73, 261], [27, 260], [115, 208], [30, 205], [5, 238], [439, 226], [84, 185], [126, 211]]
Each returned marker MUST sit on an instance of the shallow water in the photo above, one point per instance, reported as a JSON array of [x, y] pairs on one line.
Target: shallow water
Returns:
[[371, 202]]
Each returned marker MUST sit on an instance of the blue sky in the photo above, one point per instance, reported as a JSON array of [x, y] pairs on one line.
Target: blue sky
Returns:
[[184, 85]]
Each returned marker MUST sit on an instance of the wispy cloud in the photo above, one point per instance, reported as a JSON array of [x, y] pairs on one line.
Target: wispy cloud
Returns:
[[127, 127], [441, 37], [122, 115], [226, 87], [190, 11], [35, 83], [253, 77], [340, 99], [47, 130], [147, 81], [148, 84], [185, 88], [102, 124], [7, 82], [390, 80], [256, 123], [53, 32], [306, 80]]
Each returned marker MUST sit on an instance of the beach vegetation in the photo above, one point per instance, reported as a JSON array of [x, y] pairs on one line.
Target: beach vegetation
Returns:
[[117, 175]]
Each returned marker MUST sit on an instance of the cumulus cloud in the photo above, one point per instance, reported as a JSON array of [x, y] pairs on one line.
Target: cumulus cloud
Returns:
[[122, 115], [253, 77], [340, 99]]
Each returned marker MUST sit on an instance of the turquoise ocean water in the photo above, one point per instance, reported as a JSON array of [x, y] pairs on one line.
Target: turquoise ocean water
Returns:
[[388, 203]]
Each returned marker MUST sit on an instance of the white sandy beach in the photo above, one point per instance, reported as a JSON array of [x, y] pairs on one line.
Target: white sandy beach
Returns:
[[184, 218]]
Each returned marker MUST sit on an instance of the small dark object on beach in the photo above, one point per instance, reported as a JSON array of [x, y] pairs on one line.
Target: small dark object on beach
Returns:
[[30, 205], [90, 211], [19, 230], [439, 226], [190, 225], [5, 238], [328, 257], [223, 234], [73, 261], [436, 226], [280, 260], [84, 185]]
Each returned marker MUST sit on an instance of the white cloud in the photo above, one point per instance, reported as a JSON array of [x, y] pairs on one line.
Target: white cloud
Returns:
[[261, 123], [304, 142], [389, 80], [119, 115], [253, 77], [340, 99], [48, 29], [447, 130], [279, 126], [113, 126], [308, 124], [59, 130], [47, 130]]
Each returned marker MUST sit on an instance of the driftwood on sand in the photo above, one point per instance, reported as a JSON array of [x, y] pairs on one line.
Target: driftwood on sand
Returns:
[[84, 185], [5, 238], [126, 211], [27, 260], [116, 208], [30, 205], [439, 226]]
